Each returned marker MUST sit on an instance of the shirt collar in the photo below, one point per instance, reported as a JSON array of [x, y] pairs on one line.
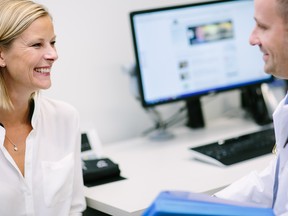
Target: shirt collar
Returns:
[[37, 101], [286, 99]]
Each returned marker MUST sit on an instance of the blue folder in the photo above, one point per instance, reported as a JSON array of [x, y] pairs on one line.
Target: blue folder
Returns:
[[172, 203]]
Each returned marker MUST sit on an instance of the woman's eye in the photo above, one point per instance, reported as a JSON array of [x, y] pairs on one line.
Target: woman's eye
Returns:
[[37, 45]]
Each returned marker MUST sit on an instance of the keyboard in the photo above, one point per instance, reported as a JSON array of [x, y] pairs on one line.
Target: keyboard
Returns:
[[234, 150]]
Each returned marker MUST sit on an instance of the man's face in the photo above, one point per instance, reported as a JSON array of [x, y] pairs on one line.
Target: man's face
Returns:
[[271, 36]]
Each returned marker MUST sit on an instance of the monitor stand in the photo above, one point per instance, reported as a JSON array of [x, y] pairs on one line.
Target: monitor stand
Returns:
[[253, 102], [195, 113]]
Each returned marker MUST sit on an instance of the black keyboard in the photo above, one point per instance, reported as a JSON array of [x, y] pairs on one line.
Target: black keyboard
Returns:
[[234, 150]]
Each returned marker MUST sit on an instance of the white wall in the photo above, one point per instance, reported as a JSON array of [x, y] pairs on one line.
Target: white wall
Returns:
[[94, 44]]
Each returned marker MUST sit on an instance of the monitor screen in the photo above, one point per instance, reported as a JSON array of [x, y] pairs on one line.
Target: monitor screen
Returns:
[[192, 50]]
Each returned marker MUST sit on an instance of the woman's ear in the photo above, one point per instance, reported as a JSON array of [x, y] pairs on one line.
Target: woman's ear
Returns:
[[2, 62]]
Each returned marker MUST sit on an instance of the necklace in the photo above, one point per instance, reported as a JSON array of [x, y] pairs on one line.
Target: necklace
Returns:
[[14, 145]]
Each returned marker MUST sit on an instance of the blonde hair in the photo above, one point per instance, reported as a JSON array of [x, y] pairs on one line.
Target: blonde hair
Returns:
[[15, 17]]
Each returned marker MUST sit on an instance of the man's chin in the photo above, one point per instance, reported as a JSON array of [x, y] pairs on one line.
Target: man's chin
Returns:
[[269, 69]]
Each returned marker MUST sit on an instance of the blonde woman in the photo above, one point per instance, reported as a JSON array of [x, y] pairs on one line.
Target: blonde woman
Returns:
[[40, 162]]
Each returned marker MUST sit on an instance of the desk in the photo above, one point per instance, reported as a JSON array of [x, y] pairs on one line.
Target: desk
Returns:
[[152, 166]]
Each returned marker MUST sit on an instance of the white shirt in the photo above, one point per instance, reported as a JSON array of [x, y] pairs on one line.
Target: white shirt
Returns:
[[258, 187], [52, 185]]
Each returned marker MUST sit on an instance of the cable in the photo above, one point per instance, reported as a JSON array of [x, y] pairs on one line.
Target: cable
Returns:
[[159, 123]]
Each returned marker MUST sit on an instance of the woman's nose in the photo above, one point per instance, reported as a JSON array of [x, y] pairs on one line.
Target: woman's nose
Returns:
[[51, 54]]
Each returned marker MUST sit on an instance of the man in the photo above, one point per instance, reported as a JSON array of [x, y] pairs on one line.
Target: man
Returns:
[[270, 187]]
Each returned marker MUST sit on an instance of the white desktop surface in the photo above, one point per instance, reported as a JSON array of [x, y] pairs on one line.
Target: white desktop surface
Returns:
[[154, 166]]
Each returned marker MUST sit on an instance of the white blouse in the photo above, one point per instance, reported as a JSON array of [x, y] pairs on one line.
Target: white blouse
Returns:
[[52, 185]]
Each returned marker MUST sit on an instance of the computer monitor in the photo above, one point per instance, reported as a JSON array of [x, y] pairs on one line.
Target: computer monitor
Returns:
[[187, 51]]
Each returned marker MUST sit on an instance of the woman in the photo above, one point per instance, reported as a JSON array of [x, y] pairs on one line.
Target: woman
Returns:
[[40, 138]]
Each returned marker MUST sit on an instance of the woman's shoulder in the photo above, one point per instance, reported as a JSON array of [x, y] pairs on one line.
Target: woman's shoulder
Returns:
[[56, 106]]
